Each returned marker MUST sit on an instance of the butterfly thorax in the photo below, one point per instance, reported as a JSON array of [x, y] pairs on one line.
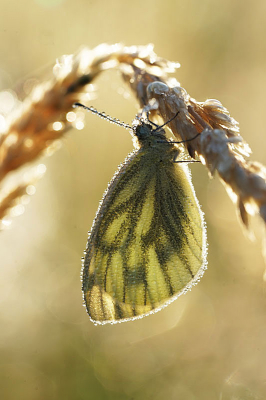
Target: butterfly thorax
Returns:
[[154, 141]]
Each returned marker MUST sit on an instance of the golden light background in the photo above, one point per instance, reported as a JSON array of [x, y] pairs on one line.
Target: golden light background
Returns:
[[209, 344]]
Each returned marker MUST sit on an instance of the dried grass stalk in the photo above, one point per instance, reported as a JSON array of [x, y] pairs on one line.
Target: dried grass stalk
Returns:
[[44, 117], [14, 198], [219, 145], [36, 124]]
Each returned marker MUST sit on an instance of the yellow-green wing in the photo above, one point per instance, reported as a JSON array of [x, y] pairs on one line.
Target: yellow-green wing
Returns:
[[147, 245]]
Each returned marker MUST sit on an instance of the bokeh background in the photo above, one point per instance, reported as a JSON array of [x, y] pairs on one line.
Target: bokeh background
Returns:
[[208, 345]]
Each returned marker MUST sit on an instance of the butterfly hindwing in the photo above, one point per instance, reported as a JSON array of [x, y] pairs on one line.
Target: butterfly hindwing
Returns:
[[147, 243]]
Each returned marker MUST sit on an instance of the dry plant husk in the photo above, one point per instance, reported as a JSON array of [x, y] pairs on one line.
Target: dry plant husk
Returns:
[[36, 124]]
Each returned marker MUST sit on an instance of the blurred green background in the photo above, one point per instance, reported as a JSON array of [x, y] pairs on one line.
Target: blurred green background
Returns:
[[209, 344]]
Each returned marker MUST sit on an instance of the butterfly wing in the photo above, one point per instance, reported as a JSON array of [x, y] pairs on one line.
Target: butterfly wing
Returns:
[[147, 244]]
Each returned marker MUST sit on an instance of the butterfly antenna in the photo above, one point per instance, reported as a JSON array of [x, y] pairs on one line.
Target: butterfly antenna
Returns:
[[103, 115], [167, 122]]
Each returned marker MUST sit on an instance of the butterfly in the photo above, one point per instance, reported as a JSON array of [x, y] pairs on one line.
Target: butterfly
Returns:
[[147, 244]]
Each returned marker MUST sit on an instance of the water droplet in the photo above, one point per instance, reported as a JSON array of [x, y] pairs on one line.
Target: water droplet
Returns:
[[30, 190], [17, 210], [71, 116], [57, 126], [79, 125]]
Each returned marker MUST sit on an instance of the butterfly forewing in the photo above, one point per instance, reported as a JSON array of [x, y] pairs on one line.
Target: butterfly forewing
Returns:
[[147, 244]]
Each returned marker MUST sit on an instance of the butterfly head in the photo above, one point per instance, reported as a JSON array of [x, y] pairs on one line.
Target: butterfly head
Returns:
[[145, 133]]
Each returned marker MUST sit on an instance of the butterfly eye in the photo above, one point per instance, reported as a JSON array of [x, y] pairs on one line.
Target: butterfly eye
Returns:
[[143, 131]]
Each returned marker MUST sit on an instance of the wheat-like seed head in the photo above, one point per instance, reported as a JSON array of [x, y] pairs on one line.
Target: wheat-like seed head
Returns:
[[47, 113], [35, 126]]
